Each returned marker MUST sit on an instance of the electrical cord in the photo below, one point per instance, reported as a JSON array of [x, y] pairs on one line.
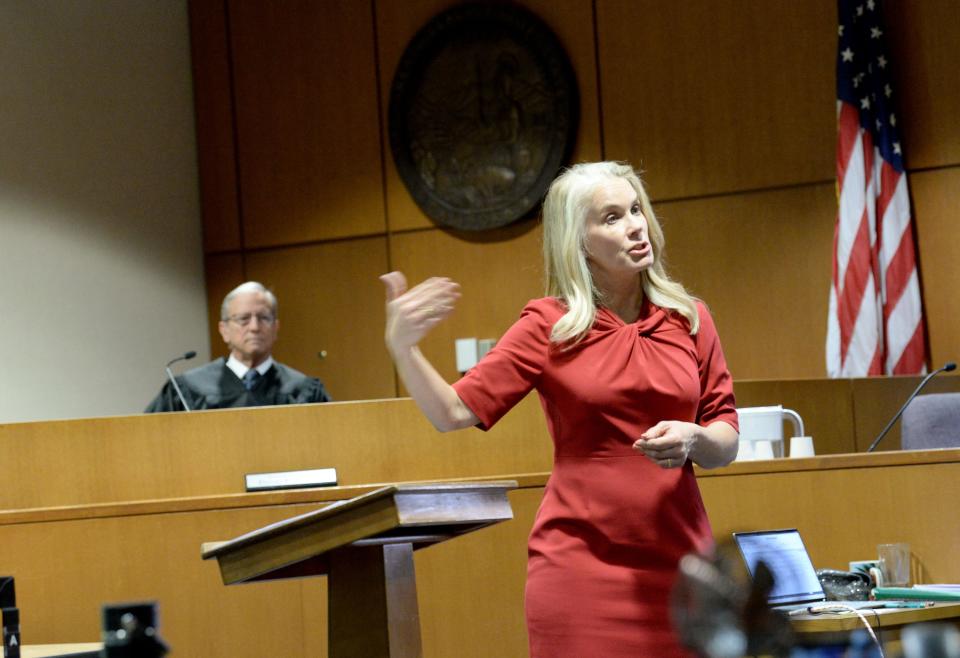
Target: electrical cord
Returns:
[[833, 608]]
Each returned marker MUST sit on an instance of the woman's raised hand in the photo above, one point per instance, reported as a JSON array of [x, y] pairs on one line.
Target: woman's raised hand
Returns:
[[411, 314]]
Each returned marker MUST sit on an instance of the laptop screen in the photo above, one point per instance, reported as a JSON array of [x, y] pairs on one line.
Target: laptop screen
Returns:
[[794, 578]]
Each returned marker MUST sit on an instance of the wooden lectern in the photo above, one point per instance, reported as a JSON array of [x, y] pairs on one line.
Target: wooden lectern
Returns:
[[365, 546]]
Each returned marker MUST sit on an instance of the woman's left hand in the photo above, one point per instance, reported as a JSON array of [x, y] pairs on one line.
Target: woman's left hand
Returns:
[[669, 443]]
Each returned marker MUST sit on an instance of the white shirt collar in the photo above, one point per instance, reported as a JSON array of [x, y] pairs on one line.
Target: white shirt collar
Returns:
[[240, 369]]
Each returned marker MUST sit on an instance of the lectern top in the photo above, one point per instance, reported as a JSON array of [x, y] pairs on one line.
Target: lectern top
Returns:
[[419, 514]]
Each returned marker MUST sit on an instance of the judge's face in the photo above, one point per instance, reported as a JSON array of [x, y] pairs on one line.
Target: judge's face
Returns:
[[250, 328], [617, 242]]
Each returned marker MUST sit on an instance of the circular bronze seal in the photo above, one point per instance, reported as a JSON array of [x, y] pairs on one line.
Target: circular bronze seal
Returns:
[[483, 113]]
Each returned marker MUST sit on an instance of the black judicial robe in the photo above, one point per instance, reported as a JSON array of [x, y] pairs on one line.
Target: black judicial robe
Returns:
[[215, 386]]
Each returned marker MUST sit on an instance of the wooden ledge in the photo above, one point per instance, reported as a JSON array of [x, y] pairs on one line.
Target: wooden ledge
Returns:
[[238, 501]]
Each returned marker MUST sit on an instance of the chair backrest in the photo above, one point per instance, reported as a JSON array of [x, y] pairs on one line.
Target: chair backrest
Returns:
[[931, 421]]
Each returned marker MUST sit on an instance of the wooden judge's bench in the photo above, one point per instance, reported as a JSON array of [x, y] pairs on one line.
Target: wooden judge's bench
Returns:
[[108, 510]]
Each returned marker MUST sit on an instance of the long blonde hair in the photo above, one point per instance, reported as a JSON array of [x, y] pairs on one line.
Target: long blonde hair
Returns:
[[568, 275]]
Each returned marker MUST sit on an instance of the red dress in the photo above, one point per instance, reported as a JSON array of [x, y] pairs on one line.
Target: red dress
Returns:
[[613, 525]]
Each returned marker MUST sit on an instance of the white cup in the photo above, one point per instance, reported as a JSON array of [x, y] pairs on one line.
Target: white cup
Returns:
[[801, 446], [763, 449], [745, 451]]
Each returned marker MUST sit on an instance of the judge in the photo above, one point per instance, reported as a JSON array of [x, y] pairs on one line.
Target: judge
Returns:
[[250, 377]]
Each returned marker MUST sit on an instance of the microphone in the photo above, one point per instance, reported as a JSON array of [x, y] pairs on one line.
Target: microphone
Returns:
[[946, 367], [183, 357]]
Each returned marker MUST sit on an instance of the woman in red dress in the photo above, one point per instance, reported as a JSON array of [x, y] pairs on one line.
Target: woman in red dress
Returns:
[[635, 390]]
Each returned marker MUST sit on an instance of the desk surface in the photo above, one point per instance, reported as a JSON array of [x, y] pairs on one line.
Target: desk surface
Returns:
[[828, 628], [51, 650], [878, 618]]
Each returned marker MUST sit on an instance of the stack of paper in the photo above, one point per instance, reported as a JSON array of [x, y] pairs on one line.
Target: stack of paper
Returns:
[[933, 592]]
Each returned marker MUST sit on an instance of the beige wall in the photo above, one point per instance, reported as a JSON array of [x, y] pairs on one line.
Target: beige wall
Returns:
[[101, 269], [729, 108]]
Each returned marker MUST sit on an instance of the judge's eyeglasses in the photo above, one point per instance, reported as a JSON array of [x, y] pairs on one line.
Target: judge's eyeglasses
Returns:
[[247, 318]]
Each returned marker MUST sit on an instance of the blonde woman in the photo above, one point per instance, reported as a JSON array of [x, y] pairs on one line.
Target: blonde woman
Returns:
[[635, 390]]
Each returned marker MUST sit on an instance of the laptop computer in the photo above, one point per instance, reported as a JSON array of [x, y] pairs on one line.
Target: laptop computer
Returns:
[[796, 587]]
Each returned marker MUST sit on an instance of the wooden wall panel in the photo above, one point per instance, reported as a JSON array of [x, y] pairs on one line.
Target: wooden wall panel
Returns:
[[762, 263], [79, 565], [473, 612], [924, 37], [723, 97], [213, 100], [825, 405], [331, 300], [719, 95], [478, 617], [843, 415], [397, 23], [307, 122], [224, 272], [497, 277], [207, 453], [936, 205], [844, 512], [470, 589], [876, 400]]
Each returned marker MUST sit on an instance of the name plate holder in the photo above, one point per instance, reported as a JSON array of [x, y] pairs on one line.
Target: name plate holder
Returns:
[[314, 477]]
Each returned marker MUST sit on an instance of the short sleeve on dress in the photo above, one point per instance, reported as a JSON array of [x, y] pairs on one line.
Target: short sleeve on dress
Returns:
[[716, 384], [513, 367]]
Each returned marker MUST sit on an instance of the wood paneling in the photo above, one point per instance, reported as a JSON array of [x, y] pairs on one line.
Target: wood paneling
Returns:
[[331, 301], [397, 23], [712, 97], [474, 612], [307, 123], [876, 400], [924, 39], [177, 455], [470, 589], [497, 277], [936, 205], [478, 617], [825, 405], [66, 570], [762, 263], [719, 95], [224, 272], [844, 511], [206, 453], [213, 99], [842, 415]]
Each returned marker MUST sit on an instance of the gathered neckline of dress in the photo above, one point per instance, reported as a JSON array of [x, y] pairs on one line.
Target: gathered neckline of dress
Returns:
[[651, 317]]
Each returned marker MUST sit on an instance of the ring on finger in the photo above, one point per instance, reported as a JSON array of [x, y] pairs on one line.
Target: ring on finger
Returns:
[[670, 463]]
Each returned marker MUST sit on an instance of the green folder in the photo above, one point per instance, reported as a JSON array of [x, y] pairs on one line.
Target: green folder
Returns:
[[915, 594]]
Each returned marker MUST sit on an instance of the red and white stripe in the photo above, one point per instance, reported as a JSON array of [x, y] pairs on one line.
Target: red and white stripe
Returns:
[[875, 323]]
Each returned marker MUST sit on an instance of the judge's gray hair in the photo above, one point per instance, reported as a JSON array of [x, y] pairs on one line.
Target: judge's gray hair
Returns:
[[243, 289]]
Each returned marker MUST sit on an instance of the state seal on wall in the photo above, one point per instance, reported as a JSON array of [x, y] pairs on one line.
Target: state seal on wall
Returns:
[[483, 113]]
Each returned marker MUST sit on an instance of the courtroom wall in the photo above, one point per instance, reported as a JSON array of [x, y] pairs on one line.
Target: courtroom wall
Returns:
[[101, 266], [728, 107]]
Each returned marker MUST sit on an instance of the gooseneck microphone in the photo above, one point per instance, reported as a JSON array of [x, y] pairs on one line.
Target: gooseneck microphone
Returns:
[[946, 367], [173, 380]]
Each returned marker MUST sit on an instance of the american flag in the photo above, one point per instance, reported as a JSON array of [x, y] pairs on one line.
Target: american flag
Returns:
[[875, 324]]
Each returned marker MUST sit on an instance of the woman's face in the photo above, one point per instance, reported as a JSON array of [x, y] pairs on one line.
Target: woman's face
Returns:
[[616, 239]]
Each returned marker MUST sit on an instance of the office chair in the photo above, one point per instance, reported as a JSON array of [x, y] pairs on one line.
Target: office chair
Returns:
[[931, 421]]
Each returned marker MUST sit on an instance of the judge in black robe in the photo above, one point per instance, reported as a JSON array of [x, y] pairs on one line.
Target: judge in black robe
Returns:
[[215, 386], [250, 377]]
